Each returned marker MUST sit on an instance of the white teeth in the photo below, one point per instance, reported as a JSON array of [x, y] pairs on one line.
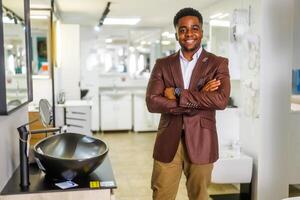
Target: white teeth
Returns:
[[189, 41]]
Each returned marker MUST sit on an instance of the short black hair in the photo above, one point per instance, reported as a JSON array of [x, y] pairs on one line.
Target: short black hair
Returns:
[[187, 12]]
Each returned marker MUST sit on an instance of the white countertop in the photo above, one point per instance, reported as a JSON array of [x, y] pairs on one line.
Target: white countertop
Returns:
[[75, 103]]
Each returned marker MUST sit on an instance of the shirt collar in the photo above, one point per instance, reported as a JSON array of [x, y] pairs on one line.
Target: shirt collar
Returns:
[[195, 56]]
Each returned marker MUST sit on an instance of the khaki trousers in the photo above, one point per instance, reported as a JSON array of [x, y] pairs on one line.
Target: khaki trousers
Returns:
[[166, 177]]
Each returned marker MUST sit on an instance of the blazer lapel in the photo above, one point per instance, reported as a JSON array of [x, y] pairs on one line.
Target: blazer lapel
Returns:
[[199, 70], [176, 71]]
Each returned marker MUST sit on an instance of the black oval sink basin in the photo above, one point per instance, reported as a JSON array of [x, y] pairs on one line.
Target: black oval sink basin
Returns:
[[69, 155]]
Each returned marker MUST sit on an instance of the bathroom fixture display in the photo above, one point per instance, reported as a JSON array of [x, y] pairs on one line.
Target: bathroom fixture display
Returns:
[[69, 155], [62, 156]]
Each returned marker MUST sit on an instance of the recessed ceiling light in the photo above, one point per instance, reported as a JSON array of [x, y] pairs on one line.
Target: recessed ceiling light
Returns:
[[165, 42], [223, 23], [216, 15], [223, 16], [171, 36], [121, 21], [108, 40], [165, 34]]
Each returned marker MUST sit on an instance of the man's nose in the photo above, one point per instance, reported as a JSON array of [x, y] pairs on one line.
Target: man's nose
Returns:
[[189, 32]]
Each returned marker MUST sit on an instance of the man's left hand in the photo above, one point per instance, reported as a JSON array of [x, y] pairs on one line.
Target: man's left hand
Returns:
[[169, 93]]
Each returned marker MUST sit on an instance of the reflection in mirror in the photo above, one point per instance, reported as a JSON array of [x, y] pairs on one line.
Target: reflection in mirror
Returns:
[[45, 111], [14, 53], [40, 31]]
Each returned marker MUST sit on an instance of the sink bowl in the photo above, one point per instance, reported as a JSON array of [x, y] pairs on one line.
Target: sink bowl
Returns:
[[69, 155]]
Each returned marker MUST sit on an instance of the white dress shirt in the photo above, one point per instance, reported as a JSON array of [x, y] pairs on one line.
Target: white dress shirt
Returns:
[[187, 67]]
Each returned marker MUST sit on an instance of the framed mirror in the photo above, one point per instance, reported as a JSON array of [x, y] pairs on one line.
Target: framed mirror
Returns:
[[15, 55]]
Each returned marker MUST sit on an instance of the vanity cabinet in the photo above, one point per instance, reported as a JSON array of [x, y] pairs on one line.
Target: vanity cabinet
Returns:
[[143, 120], [115, 111], [75, 115]]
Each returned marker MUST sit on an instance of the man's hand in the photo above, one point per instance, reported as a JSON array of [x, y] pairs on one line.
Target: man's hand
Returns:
[[211, 85], [169, 93]]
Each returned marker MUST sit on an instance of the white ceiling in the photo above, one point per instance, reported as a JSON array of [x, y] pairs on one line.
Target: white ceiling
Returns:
[[153, 13], [156, 15]]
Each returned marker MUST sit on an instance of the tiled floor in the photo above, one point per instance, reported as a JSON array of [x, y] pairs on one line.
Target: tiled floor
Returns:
[[131, 158]]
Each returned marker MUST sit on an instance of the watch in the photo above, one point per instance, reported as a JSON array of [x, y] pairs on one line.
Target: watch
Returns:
[[177, 92]]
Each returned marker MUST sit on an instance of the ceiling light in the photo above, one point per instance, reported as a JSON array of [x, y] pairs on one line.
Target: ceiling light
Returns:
[[223, 16], [216, 15], [131, 48], [108, 40], [6, 20], [171, 36], [165, 42], [223, 23], [104, 14], [97, 28], [165, 34], [143, 42], [121, 21]]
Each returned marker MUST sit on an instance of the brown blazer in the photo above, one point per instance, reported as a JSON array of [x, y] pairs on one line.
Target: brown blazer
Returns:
[[194, 111]]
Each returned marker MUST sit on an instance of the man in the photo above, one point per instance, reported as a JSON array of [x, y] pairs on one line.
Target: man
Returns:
[[186, 88]]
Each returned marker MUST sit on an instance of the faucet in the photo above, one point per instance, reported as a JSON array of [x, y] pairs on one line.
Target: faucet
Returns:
[[24, 149]]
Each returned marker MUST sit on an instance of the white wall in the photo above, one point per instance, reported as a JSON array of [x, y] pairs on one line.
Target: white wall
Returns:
[[276, 64], [90, 67], [67, 76], [294, 139], [9, 143], [42, 89], [296, 63]]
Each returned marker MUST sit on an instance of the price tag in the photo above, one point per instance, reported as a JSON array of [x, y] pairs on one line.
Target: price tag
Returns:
[[66, 184]]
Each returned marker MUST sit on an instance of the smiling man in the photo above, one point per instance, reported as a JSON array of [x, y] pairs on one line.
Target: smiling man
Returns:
[[186, 88]]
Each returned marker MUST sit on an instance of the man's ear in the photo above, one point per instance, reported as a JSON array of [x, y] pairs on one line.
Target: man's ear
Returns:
[[176, 36]]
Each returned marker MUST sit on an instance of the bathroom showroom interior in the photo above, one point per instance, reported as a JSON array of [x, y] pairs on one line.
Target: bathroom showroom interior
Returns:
[[92, 59]]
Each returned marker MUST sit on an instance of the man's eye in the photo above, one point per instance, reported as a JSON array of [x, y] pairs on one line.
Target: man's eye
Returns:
[[182, 30]]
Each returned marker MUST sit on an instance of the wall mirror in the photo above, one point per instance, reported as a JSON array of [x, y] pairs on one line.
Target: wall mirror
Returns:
[[15, 57], [40, 38]]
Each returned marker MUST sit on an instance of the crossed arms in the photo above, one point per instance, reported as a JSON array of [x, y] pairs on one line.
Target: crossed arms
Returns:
[[212, 96]]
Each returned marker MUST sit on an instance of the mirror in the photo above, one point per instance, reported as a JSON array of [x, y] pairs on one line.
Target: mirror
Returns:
[[40, 40], [15, 65], [45, 111]]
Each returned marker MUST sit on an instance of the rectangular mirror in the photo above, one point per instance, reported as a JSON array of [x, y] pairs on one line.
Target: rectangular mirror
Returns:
[[15, 56]]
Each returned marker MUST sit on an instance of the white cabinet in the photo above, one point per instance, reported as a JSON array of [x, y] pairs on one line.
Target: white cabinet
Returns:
[[115, 111], [75, 115], [143, 120]]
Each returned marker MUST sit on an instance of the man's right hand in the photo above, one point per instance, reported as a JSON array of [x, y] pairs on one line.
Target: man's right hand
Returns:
[[211, 86]]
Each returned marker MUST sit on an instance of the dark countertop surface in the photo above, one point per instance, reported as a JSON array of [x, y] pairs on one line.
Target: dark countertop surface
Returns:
[[39, 182]]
